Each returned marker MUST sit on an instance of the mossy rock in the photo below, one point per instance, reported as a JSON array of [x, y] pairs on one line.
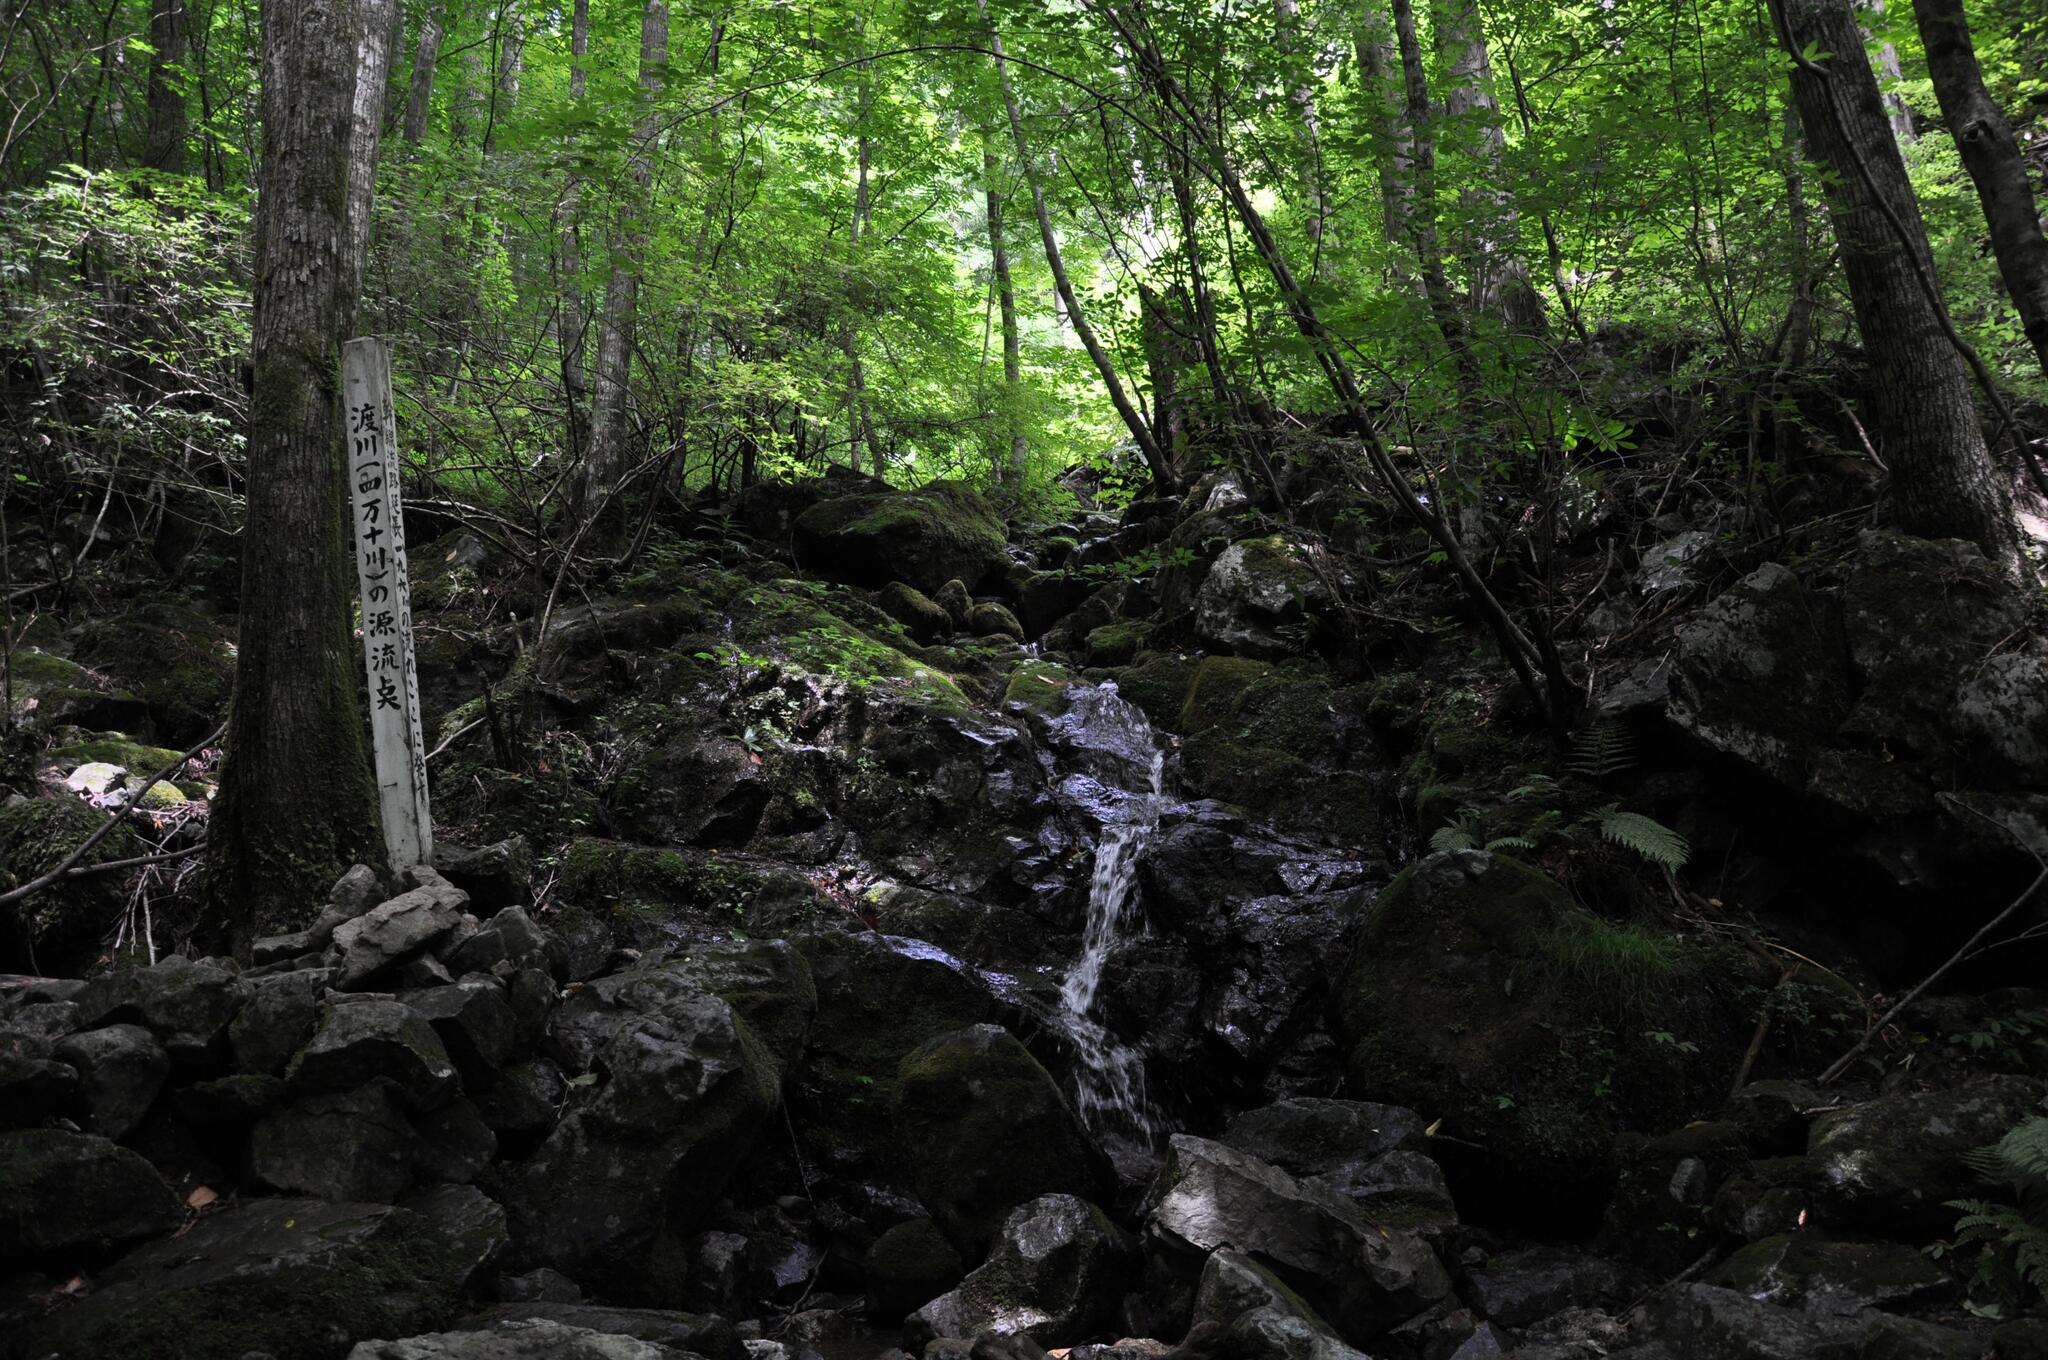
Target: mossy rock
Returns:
[[911, 1264], [924, 538], [57, 689], [63, 921], [1117, 644], [111, 748], [650, 896], [982, 1128], [1041, 687], [1479, 993], [179, 662], [1158, 685], [915, 610]]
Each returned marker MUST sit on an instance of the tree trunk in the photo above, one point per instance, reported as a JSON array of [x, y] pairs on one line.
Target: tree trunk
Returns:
[[1890, 72], [1498, 276], [1381, 90], [373, 70], [622, 290], [169, 120], [1006, 303], [1307, 157], [849, 333], [1421, 193], [426, 57], [574, 321], [1943, 483], [296, 803], [1992, 157], [1141, 434]]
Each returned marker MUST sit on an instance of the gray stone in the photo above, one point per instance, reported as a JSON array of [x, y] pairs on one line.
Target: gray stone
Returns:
[[1700, 1319], [495, 876], [518, 1339], [386, 934], [1816, 1272], [526, 1098], [1273, 1334], [33, 1090], [710, 1337], [186, 1005], [455, 1143], [1260, 595], [473, 1021], [1055, 1274], [1528, 1284], [508, 941], [356, 1145], [64, 1195], [1890, 1165], [470, 1223], [276, 1020], [121, 1070], [359, 1040]]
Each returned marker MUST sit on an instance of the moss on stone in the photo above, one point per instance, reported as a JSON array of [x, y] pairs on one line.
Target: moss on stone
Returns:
[[1040, 686], [114, 748], [36, 834], [1158, 685], [1116, 644], [179, 662]]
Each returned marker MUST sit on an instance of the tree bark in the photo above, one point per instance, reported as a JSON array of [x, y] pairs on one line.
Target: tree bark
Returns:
[[296, 802], [1006, 303], [1943, 483], [622, 290], [1498, 277], [373, 70], [1301, 99], [426, 57], [1992, 156], [573, 321], [1895, 111], [1381, 88], [1421, 192], [1163, 476], [170, 121]]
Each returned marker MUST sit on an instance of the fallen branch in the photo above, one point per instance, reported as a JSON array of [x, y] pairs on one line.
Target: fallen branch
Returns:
[[64, 867]]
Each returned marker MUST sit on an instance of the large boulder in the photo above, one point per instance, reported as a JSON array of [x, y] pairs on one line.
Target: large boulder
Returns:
[[1890, 1165], [1055, 1274], [1262, 597], [187, 1005], [983, 1128], [923, 538], [383, 937], [58, 927], [353, 1145], [1374, 1155], [1813, 1271], [518, 1339], [1363, 1277], [64, 1195], [704, 1335], [678, 1064], [121, 1068], [363, 1039], [1478, 992], [295, 1279]]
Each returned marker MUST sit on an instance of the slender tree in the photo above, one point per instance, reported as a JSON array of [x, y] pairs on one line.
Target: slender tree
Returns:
[[296, 799], [1992, 156], [1496, 274], [170, 119], [373, 70], [426, 61], [1019, 455], [1942, 482]]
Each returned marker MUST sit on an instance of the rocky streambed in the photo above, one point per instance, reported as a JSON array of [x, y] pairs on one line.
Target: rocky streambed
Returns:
[[855, 962]]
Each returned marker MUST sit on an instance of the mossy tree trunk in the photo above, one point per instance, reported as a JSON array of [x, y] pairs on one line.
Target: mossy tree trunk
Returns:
[[296, 803]]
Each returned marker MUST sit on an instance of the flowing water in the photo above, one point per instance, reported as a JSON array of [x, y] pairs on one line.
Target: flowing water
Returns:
[[1116, 775]]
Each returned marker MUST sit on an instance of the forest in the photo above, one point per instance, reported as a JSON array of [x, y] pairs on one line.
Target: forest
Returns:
[[1023, 679]]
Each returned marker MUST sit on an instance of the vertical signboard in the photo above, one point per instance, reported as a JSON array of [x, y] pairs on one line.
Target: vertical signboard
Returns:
[[378, 531]]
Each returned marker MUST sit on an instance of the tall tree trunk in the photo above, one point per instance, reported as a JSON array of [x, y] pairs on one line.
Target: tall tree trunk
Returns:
[[1163, 476], [1381, 87], [1006, 303], [1890, 72], [1308, 155], [849, 332], [373, 71], [426, 58], [622, 290], [574, 321], [296, 803], [170, 122], [1992, 157], [1498, 276], [1943, 483], [1436, 286]]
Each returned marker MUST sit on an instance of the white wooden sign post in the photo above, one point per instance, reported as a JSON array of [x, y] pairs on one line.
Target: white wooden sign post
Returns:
[[378, 530]]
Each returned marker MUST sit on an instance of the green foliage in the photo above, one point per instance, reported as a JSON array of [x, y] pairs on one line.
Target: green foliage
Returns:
[[1648, 837], [1601, 749], [1629, 968], [2009, 1241]]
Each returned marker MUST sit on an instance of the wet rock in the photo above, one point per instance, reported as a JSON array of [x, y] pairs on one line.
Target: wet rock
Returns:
[[691, 1053], [983, 1129], [65, 1194], [718, 1280], [473, 1021], [1815, 1272], [295, 1279], [957, 600], [276, 1020], [230, 1104], [470, 1224], [1275, 1334], [1043, 598], [1774, 1115], [1769, 1197], [1675, 563], [58, 927], [1699, 1319], [927, 620], [455, 1144], [1527, 1284], [1234, 1284], [1371, 1154], [910, 1264], [356, 1145], [121, 1069], [526, 1097], [520, 1339], [710, 1337], [186, 1005], [541, 1285], [1897, 1338], [924, 538], [1055, 1274], [1890, 1164], [386, 934], [495, 876], [1361, 1277], [360, 1040]]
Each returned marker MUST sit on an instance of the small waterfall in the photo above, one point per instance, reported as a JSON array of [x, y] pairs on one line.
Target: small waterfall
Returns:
[[1117, 776]]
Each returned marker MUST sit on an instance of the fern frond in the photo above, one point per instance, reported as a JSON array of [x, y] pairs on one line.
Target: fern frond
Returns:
[[1511, 843], [1452, 837], [1536, 785], [1601, 749], [1647, 836], [2022, 1154]]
